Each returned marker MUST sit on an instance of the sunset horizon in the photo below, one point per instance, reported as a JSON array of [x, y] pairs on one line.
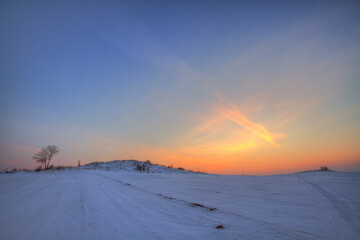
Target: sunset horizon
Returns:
[[227, 87]]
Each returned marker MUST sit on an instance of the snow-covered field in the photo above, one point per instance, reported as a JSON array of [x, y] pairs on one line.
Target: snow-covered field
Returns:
[[125, 204]]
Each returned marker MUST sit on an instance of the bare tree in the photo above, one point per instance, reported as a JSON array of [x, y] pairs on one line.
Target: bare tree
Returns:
[[41, 157], [52, 150], [45, 155]]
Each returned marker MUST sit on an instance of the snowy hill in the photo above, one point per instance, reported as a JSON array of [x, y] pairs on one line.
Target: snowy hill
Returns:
[[83, 203], [131, 165]]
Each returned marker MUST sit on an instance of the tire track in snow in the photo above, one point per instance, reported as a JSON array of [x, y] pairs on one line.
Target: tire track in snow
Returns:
[[190, 204], [342, 208], [129, 213], [350, 202], [45, 212], [84, 207], [290, 233], [199, 208], [322, 207]]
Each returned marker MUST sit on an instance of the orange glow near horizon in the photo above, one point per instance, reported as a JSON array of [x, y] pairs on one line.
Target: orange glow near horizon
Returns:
[[225, 141], [225, 138], [229, 142]]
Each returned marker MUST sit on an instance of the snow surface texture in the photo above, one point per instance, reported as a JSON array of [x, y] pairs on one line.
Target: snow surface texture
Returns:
[[98, 204]]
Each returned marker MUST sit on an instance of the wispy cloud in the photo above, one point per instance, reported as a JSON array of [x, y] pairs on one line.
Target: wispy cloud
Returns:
[[226, 134], [231, 112]]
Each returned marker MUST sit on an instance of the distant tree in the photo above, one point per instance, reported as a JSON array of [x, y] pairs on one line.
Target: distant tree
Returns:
[[45, 155], [325, 168]]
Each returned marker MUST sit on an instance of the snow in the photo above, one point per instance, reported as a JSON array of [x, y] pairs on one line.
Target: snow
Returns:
[[91, 203]]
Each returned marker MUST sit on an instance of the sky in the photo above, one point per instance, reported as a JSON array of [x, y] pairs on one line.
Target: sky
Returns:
[[225, 87]]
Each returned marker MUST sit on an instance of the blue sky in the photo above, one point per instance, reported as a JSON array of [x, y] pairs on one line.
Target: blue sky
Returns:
[[108, 80]]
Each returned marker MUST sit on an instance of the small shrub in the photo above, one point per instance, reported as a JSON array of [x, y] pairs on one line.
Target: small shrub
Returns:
[[180, 168], [220, 226], [38, 169], [324, 168], [59, 167], [148, 161], [141, 167]]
